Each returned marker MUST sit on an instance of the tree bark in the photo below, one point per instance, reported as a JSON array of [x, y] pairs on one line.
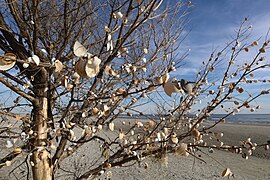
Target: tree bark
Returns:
[[42, 167]]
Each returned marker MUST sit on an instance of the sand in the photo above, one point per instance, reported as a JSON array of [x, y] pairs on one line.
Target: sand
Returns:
[[256, 167]]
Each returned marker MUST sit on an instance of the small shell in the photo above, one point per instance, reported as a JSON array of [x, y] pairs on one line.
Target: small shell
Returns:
[[119, 15], [174, 138], [226, 172], [58, 66], [111, 126], [145, 50], [170, 87], [36, 59], [7, 62], [17, 150], [95, 111], [151, 123], [182, 150], [255, 43], [8, 163], [121, 135], [195, 133]]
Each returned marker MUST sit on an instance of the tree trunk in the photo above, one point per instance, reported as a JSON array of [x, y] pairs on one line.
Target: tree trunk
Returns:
[[42, 167]]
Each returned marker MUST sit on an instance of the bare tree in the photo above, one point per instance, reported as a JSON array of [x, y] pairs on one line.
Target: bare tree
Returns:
[[129, 49]]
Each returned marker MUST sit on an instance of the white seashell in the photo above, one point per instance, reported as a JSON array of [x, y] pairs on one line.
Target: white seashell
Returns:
[[174, 138], [144, 60], [144, 69], [8, 163], [107, 29], [99, 127], [119, 15], [35, 59], [58, 66], [145, 50], [165, 77], [189, 88], [79, 50], [44, 51], [111, 126], [159, 136], [9, 144], [25, 65]]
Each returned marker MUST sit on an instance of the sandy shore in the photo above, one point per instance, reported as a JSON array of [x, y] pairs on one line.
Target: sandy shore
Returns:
[[256, 167]]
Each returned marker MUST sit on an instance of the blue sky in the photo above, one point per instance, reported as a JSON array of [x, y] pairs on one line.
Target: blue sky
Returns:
[[213, 23]]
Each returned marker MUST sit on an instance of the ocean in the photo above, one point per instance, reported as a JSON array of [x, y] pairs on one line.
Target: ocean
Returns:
[[244, 118], [238, 118]]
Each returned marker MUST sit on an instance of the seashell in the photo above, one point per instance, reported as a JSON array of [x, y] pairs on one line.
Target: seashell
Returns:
[[195, 133], [262, 50], [165, 77], [124, 50], [266, 147], [17, 150], [145, 165], [99, 127], [159, 136], [79, 50], [36, 59], [88, 68], [255, 43], [174, 138], [119, 15], [121, 135], [9, 144], [111, 126], [64, 81], [145, 50], [25, 65], [182, 150], [226, 172], [158, 80], [121, 90], [189, 88], [58, 66], [170, 87], [7, 62], [151, 124], [8, 163], [219, 135], [95, 111]]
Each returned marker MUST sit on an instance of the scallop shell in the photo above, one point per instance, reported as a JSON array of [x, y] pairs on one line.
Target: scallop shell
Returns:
[[88, 68], [182, 150], [195, 133], [226, 172], [79, 50], [111, 126], [170, 87], [7, 62]]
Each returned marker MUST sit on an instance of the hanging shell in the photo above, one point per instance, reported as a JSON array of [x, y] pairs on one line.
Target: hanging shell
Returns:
[[195, 133], [58, 66], [7, 62], [88, 68], [174, 138], [170, 87], [79, 50], [182, 150]]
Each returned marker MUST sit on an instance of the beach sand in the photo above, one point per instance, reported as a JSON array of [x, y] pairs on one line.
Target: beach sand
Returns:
[[256, 167]]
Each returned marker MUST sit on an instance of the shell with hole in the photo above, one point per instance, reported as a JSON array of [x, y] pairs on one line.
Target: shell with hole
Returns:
[[171, 87], [88, 67], [7, 61]]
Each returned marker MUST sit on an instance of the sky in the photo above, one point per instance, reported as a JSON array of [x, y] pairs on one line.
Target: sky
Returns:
[[212, 24]]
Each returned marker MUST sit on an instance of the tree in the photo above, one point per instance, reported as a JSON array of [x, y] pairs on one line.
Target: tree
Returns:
[[129, 50]]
